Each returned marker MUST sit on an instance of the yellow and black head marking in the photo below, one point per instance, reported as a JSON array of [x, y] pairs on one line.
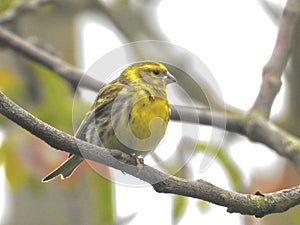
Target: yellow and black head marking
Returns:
[[152, 73]]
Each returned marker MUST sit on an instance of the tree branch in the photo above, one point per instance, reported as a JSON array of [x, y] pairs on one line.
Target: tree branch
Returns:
[[10, 14], [274, 68], [252, 126], [258, 205], [54, 63], [255, 127]]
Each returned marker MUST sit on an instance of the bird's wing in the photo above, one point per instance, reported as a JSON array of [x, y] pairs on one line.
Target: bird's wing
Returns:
[[106, 95]]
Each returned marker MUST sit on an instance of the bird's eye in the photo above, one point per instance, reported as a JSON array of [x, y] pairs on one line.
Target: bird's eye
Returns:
[[156, 72]]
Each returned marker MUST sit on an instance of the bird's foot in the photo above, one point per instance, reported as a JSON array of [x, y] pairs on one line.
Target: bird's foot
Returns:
[[139, 161]]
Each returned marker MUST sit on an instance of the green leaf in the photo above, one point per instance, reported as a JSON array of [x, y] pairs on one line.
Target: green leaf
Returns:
[[15, 172], [171, 167], [101, 192], [230, 167], [6, 4], [11, 84], [203, 206], [179, 207], [55, 107]]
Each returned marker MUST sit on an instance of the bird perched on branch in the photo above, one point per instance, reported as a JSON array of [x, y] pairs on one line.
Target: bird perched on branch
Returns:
[[130, 114]]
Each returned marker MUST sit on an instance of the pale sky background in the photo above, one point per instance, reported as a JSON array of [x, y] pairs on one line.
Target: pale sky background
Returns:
[[234, 39]]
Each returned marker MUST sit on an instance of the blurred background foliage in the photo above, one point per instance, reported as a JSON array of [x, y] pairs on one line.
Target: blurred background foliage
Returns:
[[88, 198]]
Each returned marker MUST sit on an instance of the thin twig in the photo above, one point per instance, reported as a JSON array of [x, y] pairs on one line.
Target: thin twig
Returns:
[[21, 8], [272, 71], [256, 128], [249, 126], [54, 63], [258, 205]]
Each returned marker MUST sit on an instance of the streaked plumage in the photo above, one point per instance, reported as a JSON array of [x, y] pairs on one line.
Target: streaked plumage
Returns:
[[130, 113]]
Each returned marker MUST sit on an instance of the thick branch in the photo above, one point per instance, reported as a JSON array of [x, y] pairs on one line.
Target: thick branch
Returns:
[[255, 127], [284, 144], [10, 14], [235, 202], [273, 70]]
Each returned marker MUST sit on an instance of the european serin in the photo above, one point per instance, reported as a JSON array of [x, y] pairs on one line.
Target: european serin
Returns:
[[130, 113]]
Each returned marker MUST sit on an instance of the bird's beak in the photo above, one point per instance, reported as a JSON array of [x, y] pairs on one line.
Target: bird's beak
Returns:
[[169, 78]]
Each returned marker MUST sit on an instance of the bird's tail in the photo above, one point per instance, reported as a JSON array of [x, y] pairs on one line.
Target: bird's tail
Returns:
[[65, 169]]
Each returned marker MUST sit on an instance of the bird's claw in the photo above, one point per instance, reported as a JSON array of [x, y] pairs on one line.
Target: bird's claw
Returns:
[[139, 161]]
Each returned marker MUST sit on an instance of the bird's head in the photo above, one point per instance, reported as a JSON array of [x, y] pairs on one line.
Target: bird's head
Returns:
[[148, 72]]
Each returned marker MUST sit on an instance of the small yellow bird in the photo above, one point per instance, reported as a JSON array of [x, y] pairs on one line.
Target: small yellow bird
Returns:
[[131, 114]]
